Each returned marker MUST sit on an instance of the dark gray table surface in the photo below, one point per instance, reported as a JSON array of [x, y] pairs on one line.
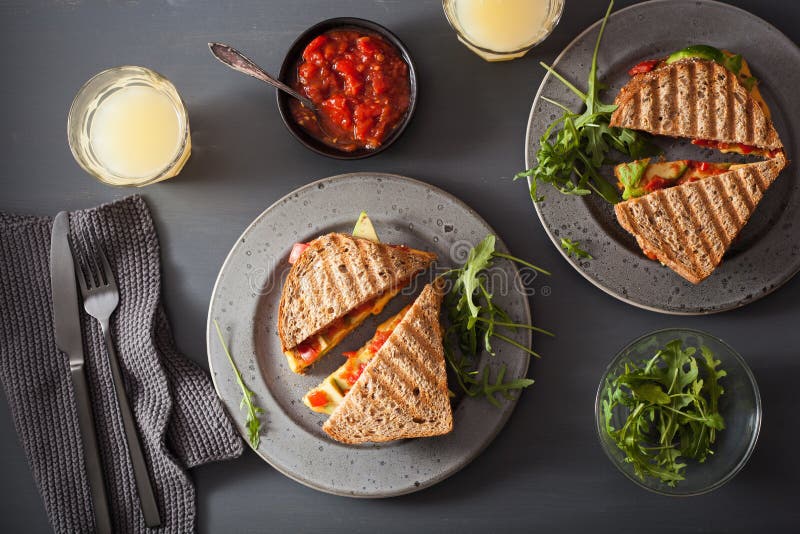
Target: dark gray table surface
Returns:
[[545, 471]]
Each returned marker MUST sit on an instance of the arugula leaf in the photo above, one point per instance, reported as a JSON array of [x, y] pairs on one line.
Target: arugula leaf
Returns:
[[479, 259], [631, 174], [670, 408], [651, 393], [253, 422], [573, 248], [570, 158], [474, 320]]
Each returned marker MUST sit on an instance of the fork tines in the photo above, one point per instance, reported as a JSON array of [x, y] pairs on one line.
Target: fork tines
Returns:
[[93, 270]]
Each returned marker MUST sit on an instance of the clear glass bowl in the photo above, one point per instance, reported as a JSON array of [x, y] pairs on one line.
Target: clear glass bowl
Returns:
[[740, 406]]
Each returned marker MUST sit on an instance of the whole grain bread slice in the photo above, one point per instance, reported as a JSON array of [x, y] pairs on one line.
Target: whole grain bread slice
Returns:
[[690, 227], [696, 99], [336, 274], [402, 392]]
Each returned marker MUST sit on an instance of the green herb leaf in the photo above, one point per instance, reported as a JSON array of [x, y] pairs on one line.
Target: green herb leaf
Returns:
[[253, 422], [570, 158], [475, 320], [651, 393], [670, 408], [573, 248]]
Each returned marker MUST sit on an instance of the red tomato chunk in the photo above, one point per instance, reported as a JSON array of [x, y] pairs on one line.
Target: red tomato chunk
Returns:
[[360, 84], [318, 398], [378, 340], [309, 350], [297, 250], [644, 66]]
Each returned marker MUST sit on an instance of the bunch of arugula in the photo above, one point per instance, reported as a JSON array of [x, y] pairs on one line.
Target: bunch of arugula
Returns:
[[253, 422], [672, 406], [570, 159], [474, 319]]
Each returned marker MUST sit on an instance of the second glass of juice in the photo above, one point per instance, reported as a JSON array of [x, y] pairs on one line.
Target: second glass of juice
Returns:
[[129, 126], [499, 30]]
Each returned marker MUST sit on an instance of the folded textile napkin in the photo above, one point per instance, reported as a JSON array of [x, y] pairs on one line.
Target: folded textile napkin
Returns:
[[179, 419]]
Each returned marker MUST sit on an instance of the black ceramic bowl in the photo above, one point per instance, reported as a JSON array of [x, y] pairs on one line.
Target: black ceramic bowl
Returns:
[[288, 73]]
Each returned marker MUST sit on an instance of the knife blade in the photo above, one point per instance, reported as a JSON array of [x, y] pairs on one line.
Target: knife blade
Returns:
[[69, 340]]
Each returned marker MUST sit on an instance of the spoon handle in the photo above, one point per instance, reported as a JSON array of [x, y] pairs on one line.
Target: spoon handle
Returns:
[[238, 61]]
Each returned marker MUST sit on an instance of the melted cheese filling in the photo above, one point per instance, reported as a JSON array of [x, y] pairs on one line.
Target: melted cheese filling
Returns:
[[327, 338], [337, 384]]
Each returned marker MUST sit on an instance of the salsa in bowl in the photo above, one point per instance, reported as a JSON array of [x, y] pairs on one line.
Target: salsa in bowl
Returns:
[[362, 82]]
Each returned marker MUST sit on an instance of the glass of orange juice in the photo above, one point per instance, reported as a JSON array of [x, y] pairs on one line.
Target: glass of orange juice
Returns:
[[129, 126], [499, 30]]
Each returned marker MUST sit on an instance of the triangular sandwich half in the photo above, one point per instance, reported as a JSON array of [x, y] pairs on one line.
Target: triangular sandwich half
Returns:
[[689, 227], [329, 394], [402, 391], [700, 100], [336, 282]]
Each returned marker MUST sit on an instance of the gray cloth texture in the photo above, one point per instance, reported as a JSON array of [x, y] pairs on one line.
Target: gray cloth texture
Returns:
[[179, 418]]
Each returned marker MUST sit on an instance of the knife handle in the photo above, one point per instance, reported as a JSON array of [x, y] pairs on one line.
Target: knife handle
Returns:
[[91, 455]]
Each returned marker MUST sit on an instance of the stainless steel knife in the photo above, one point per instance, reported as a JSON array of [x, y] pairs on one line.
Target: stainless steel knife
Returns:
[[68, 339]]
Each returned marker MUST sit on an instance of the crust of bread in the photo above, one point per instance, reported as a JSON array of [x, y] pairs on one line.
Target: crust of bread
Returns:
[[402, 392]]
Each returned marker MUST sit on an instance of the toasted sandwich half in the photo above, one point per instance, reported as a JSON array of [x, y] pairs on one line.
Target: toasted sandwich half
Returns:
[[329, 394], [400, 389], [697, 99], [335, 283], [688, 227]]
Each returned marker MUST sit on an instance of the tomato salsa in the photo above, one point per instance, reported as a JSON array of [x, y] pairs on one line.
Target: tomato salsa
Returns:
[[360, 85]]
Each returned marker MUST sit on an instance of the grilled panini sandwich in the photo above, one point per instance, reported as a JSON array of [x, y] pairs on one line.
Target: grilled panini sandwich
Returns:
[[690, 226], [700, 100], [686, 213], [401, 392], [335, 283]]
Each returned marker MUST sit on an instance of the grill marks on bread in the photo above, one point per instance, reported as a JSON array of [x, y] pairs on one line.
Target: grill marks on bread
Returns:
[[694, 99], [336, 274], [402, 392], [690, 226]]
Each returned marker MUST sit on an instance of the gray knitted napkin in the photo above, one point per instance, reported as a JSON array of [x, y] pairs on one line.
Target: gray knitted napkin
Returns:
[[180, 421]]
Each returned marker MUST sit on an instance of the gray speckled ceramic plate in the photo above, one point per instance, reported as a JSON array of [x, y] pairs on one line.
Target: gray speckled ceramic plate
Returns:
[[245, 302], [767, 253]]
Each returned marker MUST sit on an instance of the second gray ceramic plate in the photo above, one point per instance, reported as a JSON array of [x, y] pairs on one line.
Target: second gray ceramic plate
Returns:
[[767, 253], [245, 303]]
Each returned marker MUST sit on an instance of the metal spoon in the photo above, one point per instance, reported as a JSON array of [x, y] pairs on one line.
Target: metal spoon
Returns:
[[238, 61]]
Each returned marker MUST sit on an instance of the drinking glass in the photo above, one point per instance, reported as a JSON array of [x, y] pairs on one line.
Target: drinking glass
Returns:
[[128, 126], [499, 30]]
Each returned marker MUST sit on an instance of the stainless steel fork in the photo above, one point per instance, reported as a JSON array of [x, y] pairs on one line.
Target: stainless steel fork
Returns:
[[100, 300]]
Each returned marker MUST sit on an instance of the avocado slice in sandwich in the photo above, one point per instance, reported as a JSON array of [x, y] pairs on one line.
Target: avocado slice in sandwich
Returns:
[[640, 177]]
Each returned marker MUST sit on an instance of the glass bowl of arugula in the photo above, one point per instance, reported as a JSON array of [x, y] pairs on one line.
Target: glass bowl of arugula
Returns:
[[678, 412]]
